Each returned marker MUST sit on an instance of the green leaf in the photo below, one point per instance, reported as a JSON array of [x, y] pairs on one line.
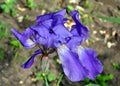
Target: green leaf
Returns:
[[109, 77], [70, 8], [14, 12], [51, 77], [86, 80], [112, 19], [16, 43], [105, 77], [31, 4], [116, 66], [5, 8], [92, 84], [39, 76], [9, 1], [2, 25], [87, 4]]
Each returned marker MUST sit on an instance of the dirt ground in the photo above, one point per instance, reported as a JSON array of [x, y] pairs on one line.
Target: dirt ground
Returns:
[[104, 38]]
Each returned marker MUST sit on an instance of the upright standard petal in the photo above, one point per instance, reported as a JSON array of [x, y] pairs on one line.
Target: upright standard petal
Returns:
[[80, 28], [30, 62], [73, 69], [61, 31], [48, 16], [41, 30], [24, 37], [47, 42], [88, 58]]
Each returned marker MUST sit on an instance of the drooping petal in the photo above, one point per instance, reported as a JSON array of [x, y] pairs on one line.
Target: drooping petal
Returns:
[[24, 37], [81, 29], [88, 58], [45, 17], [71, 65], [30, 62]]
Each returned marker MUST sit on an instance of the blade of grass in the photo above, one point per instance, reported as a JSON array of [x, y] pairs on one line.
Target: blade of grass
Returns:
[[112, 19]]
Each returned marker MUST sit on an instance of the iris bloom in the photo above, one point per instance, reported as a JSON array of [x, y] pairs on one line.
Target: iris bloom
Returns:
[[49, 32]]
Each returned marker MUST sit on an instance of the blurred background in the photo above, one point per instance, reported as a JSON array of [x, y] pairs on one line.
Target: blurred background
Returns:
[[102, 17]]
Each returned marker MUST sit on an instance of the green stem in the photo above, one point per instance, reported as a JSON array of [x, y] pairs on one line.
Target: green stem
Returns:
[[46, 81], [60, 79]]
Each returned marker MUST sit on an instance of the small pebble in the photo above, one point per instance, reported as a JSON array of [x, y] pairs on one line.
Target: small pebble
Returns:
[[34, 79], [21, 82], [20, 18], [102, 31], [110, 44], [94, 32], [20, 8]]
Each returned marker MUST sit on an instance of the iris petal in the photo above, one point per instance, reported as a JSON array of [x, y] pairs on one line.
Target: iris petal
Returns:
[[73, 43], [61, 12], [41, 30], [30, 62], [80, 28], [73, 69], [87, 57], [47, 42], [47, 23], [45, 17], [24, 37], [61, 31]]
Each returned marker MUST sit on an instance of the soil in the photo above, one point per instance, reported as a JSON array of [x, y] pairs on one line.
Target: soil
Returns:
[[104, 38]]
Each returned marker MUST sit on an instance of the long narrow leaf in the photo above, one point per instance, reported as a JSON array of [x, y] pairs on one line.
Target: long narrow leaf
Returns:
[[112, 19]]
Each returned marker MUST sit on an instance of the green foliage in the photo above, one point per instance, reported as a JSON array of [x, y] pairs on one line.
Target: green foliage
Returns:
[[3, 30], [51, 77], [15, 56], [27, 17], [112, 19], [86, 20], [69, 8], [8, 7], [60, 79], [1, 53], [116, 66], [31, 4], [39, 76], [14, 12], [92, 84], [103, 78], [16, 43], [87, 4], [99, 81]]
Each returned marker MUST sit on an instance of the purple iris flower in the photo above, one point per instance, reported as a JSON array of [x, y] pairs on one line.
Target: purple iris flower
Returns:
[[78, 62]]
